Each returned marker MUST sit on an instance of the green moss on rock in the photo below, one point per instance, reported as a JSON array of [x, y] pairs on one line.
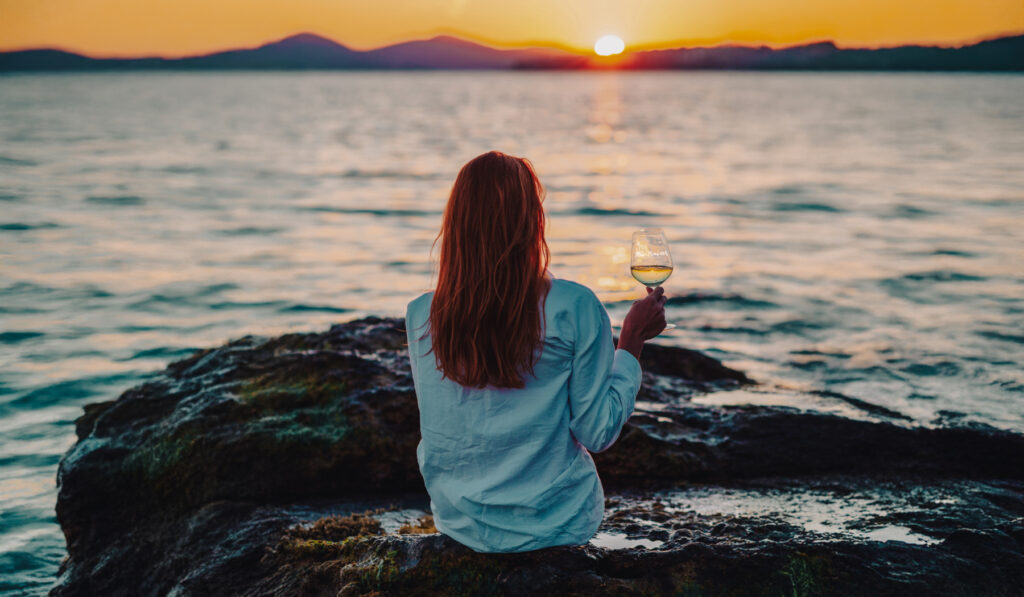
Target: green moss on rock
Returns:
[[265, 394], [808, 574], [310, 549]]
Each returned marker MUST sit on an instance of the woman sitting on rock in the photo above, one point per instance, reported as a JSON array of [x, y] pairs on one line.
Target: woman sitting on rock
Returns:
[[515, 371]]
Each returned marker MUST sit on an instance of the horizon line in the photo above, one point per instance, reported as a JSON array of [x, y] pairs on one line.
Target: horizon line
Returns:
[[679, 44]]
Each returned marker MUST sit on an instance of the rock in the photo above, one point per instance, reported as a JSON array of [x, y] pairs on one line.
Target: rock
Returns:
[[750, 565], [210, 479], [673, 444], [303, 415], [698, 369]]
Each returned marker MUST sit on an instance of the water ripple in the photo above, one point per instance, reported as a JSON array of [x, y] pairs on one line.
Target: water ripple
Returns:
[[384, 213], [116, 200], [611, 211], [22, 226], [943, 276], [885, 270], [12, 161], [806, 206], [16, 337], [1016, 338], [323, 308]]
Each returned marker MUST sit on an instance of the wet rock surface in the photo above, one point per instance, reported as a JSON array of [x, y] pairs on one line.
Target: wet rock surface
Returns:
[[286, 466]]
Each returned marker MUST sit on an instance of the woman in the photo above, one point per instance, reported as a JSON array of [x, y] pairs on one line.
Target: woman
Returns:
[[516, 375]]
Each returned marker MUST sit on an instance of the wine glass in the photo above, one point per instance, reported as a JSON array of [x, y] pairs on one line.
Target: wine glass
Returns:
[[650, 261]]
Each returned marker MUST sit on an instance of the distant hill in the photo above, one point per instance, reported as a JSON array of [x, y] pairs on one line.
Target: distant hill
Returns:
[[308, 51], [1003, 54], [303, 51]]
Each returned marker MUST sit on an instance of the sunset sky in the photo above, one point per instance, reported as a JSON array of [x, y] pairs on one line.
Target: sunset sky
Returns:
[[182, 27]]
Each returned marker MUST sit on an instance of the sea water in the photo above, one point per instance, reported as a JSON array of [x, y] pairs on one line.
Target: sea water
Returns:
[[853, 233]]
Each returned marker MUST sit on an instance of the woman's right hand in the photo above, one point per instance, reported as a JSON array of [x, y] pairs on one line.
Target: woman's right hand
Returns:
[[645, 320]]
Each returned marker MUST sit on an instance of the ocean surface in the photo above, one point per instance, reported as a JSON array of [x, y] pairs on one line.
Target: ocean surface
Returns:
[[858, 234]]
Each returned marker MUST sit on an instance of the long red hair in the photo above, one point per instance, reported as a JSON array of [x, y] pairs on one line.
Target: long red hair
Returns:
[[486, 318]]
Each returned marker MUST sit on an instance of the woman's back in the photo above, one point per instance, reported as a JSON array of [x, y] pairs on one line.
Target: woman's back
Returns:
[[508, 469]]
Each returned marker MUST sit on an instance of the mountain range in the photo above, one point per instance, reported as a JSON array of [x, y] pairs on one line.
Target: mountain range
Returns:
[[309, 51]]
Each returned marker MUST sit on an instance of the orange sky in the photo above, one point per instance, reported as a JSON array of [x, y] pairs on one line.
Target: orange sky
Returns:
[[182, 27]]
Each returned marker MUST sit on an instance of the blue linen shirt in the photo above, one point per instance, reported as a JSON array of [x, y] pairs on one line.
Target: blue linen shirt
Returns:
[[508, 470]]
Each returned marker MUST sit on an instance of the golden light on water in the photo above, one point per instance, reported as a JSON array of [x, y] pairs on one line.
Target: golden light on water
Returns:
[[609, 45]]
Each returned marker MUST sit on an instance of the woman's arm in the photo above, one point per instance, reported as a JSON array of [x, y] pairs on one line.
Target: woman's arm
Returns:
[[604, 381]]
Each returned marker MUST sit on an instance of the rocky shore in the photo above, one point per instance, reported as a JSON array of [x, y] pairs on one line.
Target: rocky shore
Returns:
[[286, 466]]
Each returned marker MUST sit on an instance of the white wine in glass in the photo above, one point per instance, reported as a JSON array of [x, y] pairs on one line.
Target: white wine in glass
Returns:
[[650, 261]]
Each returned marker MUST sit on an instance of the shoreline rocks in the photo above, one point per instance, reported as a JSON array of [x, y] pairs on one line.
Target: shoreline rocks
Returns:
[[210, 479]]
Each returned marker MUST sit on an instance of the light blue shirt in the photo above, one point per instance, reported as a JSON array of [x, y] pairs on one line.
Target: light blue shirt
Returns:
[[509, 469]]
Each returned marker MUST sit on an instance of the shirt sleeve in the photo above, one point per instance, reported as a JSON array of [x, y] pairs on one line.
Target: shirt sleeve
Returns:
[[604, 381], [413, 333], [410, 343]]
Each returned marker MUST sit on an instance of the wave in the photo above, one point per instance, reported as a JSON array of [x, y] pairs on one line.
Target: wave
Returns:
[[398, 213], [16, 337], [188, 297], [185, 169], [806, 206], [28, 461], [732, 329], [73, 390], [215, 288], [250, 230], [792, 326], [796, 326], [701, 297], [910, 212], [1016, 338], [9, 161], [946, 368], [788, 190], [162, 352], [942, 275], [279, 306], [811, 352], [20, 310], [598, 211], [570, 188], [116, 200], [920, 286], [324, 308], [9, 197], [1010, 385], [391, 174], [30, 288], [945, 417], [244, 305], [680, 300], [952, 253], [22, 226]]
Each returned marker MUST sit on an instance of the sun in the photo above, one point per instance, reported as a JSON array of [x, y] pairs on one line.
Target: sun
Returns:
[[609, 45]]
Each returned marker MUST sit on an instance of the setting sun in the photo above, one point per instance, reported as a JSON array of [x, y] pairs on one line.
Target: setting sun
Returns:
[[609, 45]]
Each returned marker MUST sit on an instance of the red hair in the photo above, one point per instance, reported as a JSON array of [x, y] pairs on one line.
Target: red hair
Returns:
[[486, 315]]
